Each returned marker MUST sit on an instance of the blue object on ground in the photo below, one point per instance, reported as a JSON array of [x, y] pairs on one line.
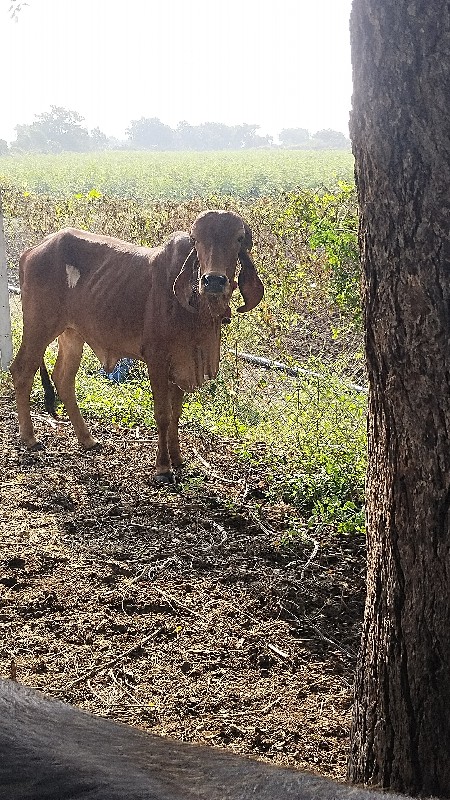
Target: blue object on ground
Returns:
[[120, 372]]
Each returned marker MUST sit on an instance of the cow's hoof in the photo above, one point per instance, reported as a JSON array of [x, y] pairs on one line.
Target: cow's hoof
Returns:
[[165, 479], [36, 447], [92, 448]]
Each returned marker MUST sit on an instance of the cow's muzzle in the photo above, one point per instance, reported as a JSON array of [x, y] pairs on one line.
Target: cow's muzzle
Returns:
[[214, 284]]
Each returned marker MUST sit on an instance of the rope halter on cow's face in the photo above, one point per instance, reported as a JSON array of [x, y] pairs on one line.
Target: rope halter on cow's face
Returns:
[[220, 239]]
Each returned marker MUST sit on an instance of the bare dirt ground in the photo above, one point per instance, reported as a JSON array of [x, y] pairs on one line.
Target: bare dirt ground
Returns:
[[190, 614]]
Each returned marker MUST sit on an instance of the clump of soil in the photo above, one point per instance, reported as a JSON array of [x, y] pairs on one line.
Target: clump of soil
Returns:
[[191, 614]]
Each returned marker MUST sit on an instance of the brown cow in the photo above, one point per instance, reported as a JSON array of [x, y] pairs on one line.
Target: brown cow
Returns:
[[52, 751], [163, 305]]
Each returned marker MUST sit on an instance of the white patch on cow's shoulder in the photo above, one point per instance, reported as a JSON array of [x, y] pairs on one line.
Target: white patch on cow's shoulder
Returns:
[[73, 275]]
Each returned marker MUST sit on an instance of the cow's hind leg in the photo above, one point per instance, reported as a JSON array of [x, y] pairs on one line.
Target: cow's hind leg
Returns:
[[23, 369], [49, 391], [70, 350]]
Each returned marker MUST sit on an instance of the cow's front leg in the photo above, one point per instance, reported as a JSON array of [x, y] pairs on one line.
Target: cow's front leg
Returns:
[[176, 396], [162, 410]]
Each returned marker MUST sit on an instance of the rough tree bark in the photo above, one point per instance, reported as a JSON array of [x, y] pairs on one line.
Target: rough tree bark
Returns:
[[400, 131]]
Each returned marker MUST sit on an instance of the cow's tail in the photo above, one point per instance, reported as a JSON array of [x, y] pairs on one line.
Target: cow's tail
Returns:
[[49, 391]]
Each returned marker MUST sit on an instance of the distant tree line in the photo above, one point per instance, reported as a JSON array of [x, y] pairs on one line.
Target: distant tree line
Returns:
[[60, 130]]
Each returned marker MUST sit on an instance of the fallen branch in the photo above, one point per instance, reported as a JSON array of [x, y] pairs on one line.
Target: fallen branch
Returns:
[[312, 556], [171, 599], [277, 651], [294, 372], [107, 664], [211, 472]]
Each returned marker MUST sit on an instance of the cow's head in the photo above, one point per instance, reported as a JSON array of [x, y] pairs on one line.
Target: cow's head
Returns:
[[219, 240]]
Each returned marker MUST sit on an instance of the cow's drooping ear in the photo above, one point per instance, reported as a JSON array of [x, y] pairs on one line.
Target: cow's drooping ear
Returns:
[[247, 244], [184, 283], [250, 284]]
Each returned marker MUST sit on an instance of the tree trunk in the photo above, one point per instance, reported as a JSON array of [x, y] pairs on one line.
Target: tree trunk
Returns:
[[400, 124]]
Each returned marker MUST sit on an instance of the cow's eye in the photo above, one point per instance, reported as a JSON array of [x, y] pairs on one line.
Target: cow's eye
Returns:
[[240, 238]]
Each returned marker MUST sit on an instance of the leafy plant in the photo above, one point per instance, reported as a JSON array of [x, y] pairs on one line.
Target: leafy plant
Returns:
[[328, 225]]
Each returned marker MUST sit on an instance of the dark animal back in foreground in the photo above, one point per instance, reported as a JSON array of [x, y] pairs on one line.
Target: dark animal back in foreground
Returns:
[[52, 751]]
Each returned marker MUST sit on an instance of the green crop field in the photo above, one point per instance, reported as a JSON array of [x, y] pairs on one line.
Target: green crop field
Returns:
[[178, 175], [305, 433]]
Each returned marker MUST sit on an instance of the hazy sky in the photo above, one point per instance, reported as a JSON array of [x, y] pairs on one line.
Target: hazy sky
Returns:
[[275, 63]]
